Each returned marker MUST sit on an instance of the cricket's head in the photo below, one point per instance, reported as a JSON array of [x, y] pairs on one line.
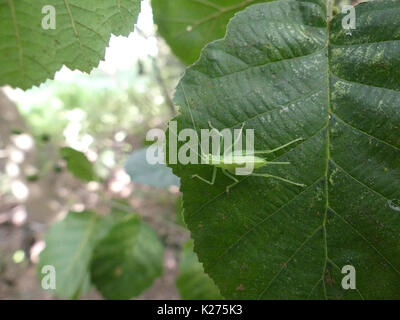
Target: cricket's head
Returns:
[[259, 162]]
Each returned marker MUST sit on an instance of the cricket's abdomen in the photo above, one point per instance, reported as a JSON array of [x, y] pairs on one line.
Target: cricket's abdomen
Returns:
[[231, 163]]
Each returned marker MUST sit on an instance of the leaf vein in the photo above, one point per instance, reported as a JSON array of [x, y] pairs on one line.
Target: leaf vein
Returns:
[[365, 133], [288, 261], [264, 220], [367, 241], [360, 182]]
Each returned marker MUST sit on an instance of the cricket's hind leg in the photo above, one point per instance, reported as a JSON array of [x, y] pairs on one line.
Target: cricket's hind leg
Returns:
[[266, 175], [228, 188], [214, 174]]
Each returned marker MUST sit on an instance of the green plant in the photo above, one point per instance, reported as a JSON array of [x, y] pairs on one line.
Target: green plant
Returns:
[[286, 68]]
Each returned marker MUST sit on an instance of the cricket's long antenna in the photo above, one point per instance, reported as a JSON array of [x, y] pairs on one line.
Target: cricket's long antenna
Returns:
[[279, 148], [201, 155], [188, 104]]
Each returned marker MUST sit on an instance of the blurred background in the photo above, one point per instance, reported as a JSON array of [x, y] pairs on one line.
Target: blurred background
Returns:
[[104, 115]]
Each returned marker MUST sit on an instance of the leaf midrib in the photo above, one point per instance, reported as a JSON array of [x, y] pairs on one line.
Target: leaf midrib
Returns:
[[84, 243], [329, 10]]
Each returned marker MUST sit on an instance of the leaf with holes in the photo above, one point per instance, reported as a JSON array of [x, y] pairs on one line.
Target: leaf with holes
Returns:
[[30, 54], [286, 72], [203, 22]]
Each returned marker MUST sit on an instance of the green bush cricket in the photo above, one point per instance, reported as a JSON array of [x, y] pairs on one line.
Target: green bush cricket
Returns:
[[231, 160]]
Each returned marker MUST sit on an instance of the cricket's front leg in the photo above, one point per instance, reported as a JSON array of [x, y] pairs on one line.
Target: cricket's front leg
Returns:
[[231, 177], [205, 180]]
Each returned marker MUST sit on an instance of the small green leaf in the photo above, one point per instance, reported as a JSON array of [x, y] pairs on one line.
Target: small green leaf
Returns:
[[127, 260], [202, 22], [16, 131], [154, 175], [192, 282], [69, 246], [78, 164]]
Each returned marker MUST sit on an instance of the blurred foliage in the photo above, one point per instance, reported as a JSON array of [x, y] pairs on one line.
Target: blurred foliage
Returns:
[[155, 175], [101, 113], [127, 260], [96, 104], [118, 249], [89, 125], [78, 164], [203, 22]]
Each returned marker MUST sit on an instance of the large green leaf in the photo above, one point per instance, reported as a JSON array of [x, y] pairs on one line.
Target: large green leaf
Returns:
[[127, 260], [287, 74], [69, 246], [30, 54], [192, 282], [202, 22]]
